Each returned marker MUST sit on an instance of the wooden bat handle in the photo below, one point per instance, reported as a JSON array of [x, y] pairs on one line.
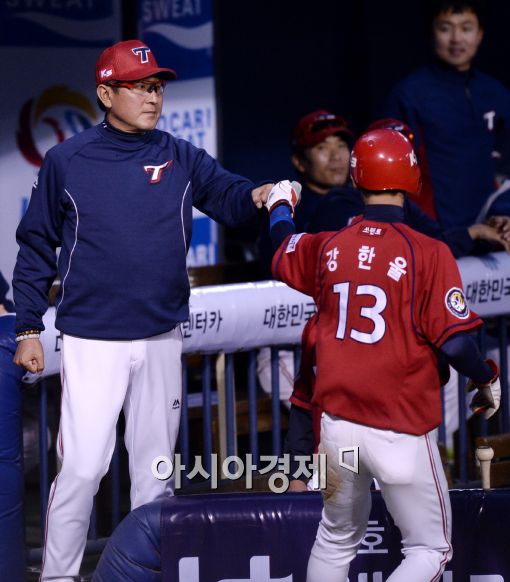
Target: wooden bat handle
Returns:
[[484, 454]]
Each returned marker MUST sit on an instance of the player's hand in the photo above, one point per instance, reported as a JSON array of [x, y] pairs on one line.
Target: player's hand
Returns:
[[502, 225], [496, 232], [259, 195], [284, 192], [488, 396], [297, 486], [29, 355]]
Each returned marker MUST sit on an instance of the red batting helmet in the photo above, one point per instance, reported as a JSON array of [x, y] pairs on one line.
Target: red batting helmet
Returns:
[[384, 159], [392, 123]]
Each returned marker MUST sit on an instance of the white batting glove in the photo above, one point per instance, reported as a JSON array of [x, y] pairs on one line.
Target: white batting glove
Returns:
[[284, 192], [488, 396]]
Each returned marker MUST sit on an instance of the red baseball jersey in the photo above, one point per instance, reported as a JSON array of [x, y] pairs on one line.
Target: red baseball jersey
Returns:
[[387, 297]]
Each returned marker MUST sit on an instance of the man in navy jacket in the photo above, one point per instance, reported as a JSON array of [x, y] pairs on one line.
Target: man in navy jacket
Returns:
[[117, 199], [459, 117]]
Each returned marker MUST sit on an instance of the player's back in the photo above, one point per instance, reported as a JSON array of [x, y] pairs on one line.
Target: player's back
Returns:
[[382, 292], [373, 364]]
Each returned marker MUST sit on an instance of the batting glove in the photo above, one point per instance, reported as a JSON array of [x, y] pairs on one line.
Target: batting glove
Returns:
[[488, 396], [284, 192]]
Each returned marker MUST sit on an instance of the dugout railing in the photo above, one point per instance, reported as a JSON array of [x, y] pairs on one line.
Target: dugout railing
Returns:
[[207, 401], [228, 325]]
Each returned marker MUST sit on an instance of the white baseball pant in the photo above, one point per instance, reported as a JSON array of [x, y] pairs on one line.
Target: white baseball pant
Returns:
[[99, 379], [410, 474]]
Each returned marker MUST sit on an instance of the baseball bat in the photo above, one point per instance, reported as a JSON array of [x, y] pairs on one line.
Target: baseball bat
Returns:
[[484, 454], [297, 187]]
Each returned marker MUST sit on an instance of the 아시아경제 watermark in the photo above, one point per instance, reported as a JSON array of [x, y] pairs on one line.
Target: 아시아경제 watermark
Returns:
[[234, 468]]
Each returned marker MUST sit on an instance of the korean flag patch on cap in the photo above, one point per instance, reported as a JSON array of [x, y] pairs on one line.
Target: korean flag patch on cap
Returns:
[[456, 303]]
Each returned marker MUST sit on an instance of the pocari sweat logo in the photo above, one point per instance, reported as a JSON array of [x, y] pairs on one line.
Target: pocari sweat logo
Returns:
[[180, 34], [186, 24]]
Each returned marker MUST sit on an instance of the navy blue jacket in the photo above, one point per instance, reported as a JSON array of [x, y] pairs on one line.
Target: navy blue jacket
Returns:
[[459, 119], [124, 228]]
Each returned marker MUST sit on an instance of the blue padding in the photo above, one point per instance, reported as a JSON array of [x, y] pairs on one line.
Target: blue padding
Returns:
[[133, 551], [258, 536], [12, 536], [262, 536], [245, 536]]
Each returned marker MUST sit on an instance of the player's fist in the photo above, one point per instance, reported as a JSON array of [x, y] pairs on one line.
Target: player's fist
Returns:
[[284, 192], [488, 396]]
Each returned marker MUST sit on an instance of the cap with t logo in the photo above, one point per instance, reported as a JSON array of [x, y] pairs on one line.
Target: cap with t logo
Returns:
[[129, 60]]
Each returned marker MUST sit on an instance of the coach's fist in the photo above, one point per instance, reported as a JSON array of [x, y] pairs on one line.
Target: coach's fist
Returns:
[[30, 355], [259, 195], [284, 192]]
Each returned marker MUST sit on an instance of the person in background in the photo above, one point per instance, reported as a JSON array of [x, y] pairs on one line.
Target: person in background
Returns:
[[12, 531], [460, 117], [321, 144]]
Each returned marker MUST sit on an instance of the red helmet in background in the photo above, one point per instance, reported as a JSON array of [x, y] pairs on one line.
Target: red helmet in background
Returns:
[[392, 123], [384, 159]]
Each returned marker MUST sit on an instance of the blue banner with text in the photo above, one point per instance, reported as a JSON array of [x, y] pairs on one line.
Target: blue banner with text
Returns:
[[268, 537], [58, 23]]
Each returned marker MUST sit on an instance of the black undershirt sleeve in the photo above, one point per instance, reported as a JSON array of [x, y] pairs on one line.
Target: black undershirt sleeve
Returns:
[[463, 354], [280, 231], [299, 439]]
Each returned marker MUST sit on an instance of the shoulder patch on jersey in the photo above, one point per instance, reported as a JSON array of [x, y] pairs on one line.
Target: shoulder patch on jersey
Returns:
[[456, 303], [294, 239]]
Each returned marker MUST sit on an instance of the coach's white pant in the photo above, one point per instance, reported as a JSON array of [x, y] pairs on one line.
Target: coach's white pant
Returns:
[[99, 379], [412, 481]]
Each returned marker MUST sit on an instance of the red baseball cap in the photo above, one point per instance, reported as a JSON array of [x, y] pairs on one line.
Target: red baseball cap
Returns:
[[315, 127], [129, 60]]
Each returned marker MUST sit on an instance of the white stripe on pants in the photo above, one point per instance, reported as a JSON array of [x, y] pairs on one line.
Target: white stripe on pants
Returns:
[[409, 471], [99, 379]]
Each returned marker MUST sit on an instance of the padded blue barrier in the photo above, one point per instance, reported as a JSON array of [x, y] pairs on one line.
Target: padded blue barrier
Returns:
[[268, 537], [12, 535], [133, 551]]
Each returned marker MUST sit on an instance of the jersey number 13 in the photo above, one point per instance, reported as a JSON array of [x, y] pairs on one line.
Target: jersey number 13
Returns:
[[373, 313]]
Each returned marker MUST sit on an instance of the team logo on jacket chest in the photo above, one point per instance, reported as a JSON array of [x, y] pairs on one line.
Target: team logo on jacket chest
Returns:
[[456, 303], [156, 172]]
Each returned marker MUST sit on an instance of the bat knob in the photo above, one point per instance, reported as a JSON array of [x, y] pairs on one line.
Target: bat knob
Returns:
[[484, 453]]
